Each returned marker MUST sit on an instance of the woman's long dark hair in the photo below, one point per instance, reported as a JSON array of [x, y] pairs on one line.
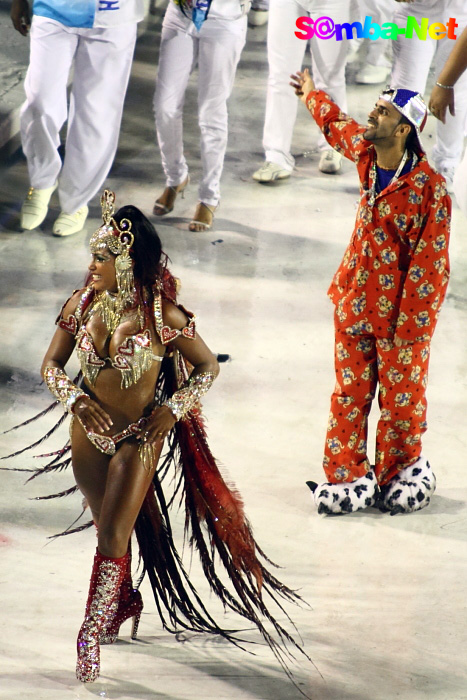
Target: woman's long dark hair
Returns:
[[147, 247]]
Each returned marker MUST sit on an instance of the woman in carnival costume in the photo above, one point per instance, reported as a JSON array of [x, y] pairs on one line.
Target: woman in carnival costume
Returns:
[[144, 369]]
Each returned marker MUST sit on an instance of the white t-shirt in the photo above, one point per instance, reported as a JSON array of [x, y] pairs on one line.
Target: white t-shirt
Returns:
[[90, 13]]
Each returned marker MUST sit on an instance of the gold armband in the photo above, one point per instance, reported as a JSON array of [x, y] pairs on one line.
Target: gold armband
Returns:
[[62, 387], [184, 399]]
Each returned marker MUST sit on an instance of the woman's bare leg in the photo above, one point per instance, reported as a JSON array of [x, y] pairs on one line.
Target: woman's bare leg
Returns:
[[114, 488], [127, 484], [90, 468]]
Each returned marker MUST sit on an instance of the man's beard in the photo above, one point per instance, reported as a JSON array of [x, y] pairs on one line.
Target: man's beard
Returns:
[[371, 130]]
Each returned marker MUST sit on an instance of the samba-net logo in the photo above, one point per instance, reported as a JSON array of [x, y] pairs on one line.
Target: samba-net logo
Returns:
[[325, 28]]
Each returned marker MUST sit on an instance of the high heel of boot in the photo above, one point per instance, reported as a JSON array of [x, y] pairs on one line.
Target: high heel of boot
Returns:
[[132, 608], [135, 625]]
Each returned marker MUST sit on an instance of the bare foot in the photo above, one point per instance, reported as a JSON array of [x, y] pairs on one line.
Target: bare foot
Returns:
[[165, 203], [203, 217]]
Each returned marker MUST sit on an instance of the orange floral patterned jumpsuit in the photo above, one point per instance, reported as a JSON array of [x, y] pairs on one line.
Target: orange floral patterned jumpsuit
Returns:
[[392, 280]]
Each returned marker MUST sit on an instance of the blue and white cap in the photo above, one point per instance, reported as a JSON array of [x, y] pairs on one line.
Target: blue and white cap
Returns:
[[411, 105]]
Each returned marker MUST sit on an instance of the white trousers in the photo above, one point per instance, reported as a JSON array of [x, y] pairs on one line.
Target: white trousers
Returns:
[[285, 56], [412, 61], [380, 11], [216, 49], [102, 61]]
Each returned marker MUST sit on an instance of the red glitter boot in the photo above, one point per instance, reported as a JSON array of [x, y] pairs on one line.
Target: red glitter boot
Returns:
[[106, 579], [130, 604]]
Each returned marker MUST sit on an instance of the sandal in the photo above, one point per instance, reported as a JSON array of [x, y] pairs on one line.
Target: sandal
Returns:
[[203, 218], [165, 204]]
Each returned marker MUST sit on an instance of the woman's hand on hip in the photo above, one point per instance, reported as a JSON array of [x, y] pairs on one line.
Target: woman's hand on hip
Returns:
[[160, 423], [92, 417]]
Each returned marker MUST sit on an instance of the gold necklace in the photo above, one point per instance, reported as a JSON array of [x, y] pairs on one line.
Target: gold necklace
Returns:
[[110, 307]]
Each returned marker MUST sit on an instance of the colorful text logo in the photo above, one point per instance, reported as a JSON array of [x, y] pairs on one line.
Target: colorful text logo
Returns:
[[324, 28]]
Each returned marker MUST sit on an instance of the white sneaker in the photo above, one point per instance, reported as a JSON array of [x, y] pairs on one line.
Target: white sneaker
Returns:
[[330, 161], [35, 207], [68, 224], [256, 18], [372, 75], [270, 172]]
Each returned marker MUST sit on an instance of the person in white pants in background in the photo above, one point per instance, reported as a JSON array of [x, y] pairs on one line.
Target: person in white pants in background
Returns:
[[285, 56], [412, 61], [443, 98], [215, 47], [377, 65], [98, 40]]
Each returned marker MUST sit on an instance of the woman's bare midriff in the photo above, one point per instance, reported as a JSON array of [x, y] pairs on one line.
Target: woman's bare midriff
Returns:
[[124, 406]]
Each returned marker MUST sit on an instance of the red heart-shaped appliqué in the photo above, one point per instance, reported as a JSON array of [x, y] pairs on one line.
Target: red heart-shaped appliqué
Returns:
[[85, 343], [70, 324], [190, 330], [104, 444], [95, 360], [127, 348], [120, 362], [168, 334], [143, 339]]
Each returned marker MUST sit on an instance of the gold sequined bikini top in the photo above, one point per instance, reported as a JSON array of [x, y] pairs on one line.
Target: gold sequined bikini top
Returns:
[[134, 355]]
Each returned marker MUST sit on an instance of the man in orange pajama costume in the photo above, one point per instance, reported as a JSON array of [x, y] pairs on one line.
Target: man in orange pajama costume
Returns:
[[387, 294]]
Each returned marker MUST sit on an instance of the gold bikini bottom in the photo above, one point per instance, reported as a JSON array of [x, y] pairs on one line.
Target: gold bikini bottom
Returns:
[[107, 444]]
